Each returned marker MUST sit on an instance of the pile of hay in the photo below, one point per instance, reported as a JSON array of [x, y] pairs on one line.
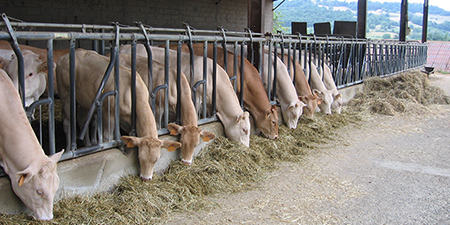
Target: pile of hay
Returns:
[[407, 92], [225, 166], [222, 167]]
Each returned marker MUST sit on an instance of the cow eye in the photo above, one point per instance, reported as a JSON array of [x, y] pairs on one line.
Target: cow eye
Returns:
[[31, 74], [39, 192]]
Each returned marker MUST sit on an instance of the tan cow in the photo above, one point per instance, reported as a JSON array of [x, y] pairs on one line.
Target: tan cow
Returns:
[[236, 122], [322, 91], [33, 174], [291, 106], [89, 70], [255, 97], [302, 87], [329, 83], [190, 132], [35, 73], [6, 48]]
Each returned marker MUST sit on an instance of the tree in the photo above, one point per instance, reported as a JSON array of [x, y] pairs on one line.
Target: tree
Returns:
[[386, 36], [277, 23]]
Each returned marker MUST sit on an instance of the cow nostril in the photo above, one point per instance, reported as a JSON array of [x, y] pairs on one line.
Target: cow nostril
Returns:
[[145, 179]]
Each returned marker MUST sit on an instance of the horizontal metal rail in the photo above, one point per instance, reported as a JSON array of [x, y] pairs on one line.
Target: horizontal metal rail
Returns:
[[351, 60]]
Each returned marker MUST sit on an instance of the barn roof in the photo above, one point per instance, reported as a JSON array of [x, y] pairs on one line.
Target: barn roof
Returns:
[[439, 55]]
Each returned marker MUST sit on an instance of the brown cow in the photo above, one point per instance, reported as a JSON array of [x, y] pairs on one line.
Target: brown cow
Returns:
[[190, 132], [235, 121], [255, 97], [89, 70]]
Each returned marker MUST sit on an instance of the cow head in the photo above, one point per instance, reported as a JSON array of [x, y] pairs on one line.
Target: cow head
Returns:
[[149, 152], [337, 103], [36, 186], [269, 124], [35, 73], [311, 101], [326, 100], [238, 129], [190, 137], [291, 112]]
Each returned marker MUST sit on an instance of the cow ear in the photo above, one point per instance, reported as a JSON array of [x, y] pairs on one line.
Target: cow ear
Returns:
[[301, 104], [274, 109], [24, 176], [56, 157], [4, 62], [316, 92], [44, 68], [207, 136], [219, 115], [337, 96], [174, 129], [319, 101], [130, 141], [170, 145]]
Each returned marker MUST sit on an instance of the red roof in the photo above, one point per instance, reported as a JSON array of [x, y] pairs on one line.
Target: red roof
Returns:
[[439, 55]]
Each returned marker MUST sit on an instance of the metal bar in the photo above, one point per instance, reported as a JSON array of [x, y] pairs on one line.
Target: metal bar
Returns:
[[133, 131], [50, 94], [73, 103]]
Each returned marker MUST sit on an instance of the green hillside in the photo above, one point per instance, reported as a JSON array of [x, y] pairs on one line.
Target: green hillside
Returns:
[[382, 18]]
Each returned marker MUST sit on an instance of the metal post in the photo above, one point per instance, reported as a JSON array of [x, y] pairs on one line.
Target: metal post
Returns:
[[403, 20], [425, 21], [50, 93], [362, 19]]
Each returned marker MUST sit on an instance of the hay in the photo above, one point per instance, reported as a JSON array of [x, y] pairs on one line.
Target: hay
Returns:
[[408, 92], [228, 167], [222, 167]]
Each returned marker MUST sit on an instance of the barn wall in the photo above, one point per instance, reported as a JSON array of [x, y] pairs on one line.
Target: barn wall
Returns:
[[201, 14]]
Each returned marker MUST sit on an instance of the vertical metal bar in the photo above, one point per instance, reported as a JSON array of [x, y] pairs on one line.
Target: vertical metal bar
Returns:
[[241, 93], [117, 85], [214, 78], [178, 110], [50, 93], [275, 64], [205, 75], [20, 64], [166, 82], [269, 72], [73, 103], [133, 131]]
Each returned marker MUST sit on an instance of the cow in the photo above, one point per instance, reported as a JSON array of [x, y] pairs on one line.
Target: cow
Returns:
[[302, 87], [291, 106], [33, 175], [316, 83], [89, 70], [329, 83], [5, 48], [189, 131], [255, 98], [35, 73], [235, 121]]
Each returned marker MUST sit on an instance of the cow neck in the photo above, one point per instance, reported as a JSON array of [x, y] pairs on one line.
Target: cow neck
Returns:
[[19, 145], [188, 113], [145, 120], [255, 97]]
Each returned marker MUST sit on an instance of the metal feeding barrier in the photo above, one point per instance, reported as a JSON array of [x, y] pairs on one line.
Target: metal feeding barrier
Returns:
[[351, 60]]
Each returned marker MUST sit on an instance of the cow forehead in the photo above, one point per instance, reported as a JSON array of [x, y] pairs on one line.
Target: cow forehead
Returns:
[[151, 142]]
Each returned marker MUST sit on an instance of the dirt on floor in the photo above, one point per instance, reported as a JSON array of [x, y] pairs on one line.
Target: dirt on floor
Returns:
[[384, 170]]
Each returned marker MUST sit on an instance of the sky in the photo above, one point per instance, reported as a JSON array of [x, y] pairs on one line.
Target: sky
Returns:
[[445, 4]]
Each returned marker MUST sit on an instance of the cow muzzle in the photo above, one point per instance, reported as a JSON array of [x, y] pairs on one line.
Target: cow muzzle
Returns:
[[143, 178], [187, 162]]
